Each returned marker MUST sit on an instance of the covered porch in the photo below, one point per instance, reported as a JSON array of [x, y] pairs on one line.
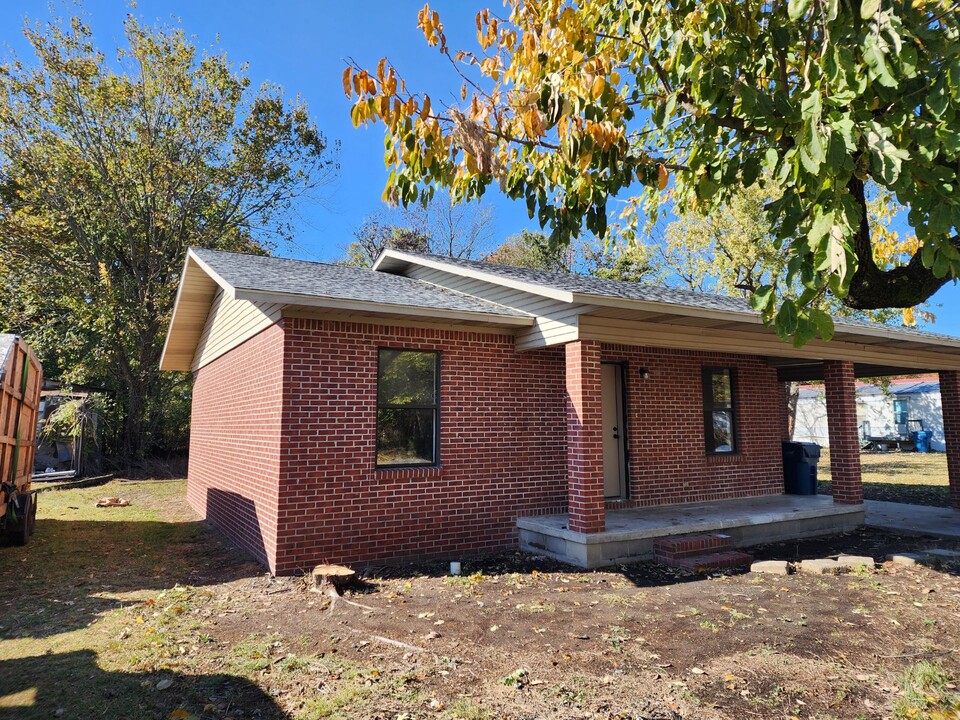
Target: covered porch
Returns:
[[599, 530]]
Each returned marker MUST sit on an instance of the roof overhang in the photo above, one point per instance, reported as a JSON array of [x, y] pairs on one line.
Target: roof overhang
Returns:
[[199, 284]]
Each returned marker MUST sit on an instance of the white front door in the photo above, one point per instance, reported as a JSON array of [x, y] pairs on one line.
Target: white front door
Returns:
[[614, 431]]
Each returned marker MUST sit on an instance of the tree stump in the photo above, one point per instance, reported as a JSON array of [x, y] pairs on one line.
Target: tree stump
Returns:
[[332, 579]]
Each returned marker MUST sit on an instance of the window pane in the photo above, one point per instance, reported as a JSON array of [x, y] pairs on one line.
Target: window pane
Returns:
[[406, 437], [723, 431], [407, 378], [720, 381]]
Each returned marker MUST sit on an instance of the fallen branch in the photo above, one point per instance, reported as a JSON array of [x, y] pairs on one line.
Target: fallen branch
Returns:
[[388, 641], [917, 654]]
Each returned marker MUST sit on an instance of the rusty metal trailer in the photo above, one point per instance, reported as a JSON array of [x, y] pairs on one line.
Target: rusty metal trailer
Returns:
[[21, 378]]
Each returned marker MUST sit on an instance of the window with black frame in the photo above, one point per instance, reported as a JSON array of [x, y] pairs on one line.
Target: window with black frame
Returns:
[[408, 392], [719, 414]]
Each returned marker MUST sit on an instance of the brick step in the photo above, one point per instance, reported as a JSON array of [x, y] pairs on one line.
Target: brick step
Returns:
[[672, 548], [711, 561]]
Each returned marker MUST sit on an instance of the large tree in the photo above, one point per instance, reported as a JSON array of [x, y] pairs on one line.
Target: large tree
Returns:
[[568, 105], [109, 169]]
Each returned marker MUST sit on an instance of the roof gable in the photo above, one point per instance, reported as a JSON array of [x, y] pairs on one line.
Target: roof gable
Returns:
[[281, 282]]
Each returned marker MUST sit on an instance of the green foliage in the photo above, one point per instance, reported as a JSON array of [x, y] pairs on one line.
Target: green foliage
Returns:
[[928, 693], [626, 262], [532, 250], [732, 249], [568, 106], [109, 170]]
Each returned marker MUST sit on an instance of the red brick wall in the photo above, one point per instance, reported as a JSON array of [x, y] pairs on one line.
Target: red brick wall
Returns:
[[950, 397], [584, 436], [668, 461], [235, 442], [840, 389], [502, 447], [288, 420]]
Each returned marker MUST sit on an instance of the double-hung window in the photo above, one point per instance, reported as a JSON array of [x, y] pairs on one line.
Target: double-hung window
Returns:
[[719, 413], [408, 407]]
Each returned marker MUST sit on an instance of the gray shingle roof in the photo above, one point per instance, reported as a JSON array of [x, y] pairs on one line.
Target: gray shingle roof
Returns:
[[339, 282], [599, 287]]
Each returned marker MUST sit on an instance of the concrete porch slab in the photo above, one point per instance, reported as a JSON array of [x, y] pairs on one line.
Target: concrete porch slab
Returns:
[[630, 534]]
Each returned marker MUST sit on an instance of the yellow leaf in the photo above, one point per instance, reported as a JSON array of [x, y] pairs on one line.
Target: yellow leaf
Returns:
[[598, 85], [178, 714], [380, 67], [463, 91], [663, 176], [348, 71], [425, 110]]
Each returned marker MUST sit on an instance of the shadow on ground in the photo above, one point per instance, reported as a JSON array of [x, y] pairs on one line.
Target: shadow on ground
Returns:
[[72, 685], [71, 572], [912, 494]]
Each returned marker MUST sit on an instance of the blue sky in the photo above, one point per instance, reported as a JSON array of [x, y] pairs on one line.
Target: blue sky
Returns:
[[302, 46]]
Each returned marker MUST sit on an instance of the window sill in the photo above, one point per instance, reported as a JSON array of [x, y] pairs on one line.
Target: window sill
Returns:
[[724, 457], [408, 470]]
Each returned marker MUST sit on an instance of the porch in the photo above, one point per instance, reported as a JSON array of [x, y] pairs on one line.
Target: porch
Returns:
[[629, 535]]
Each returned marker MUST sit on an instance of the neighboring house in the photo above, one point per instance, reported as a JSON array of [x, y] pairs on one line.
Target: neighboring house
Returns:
[[905, 405], [432, 406]]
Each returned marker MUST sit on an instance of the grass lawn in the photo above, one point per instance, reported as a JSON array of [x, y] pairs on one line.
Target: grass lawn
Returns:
[[143, 612], [908, 477]]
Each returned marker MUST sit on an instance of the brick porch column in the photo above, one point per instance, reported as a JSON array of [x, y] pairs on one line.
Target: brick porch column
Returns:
[[840, 385], [584, 437], [950, 398]]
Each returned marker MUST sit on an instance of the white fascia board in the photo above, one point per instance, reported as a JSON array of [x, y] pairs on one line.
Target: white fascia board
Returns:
[[666, 308], [228, 289]]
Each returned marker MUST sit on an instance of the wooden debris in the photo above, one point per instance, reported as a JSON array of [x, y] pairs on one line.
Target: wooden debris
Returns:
[[112, 502]]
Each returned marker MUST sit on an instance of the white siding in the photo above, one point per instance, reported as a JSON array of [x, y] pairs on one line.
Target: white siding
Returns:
[[556, 321], [811, 420], [877, 410], [229, 323]]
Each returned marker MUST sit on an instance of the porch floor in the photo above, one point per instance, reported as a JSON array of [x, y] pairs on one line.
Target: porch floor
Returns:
[[630, 534]]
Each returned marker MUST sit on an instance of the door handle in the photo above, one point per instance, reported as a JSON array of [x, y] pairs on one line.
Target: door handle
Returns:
[[616, 434]]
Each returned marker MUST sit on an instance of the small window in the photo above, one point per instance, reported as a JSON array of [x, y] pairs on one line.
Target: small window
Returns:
[[901, 415], [408, 391], [719, 415]]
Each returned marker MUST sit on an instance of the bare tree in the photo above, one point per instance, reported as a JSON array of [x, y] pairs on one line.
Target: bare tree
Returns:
[[442, 227]]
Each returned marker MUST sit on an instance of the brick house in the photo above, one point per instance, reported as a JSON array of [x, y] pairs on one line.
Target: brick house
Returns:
[[432, 406]]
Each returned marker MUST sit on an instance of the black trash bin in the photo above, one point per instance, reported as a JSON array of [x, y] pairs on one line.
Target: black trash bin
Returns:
[[800, 467]]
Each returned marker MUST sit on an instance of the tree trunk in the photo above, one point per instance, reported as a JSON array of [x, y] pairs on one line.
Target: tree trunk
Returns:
[[901, 287], [793, 398]]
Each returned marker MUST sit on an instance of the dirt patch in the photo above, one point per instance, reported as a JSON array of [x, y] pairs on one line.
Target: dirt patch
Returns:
[[101, 612]]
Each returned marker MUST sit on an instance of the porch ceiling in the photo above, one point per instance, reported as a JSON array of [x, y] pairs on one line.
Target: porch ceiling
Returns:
[[788, 371], [875, 349]]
